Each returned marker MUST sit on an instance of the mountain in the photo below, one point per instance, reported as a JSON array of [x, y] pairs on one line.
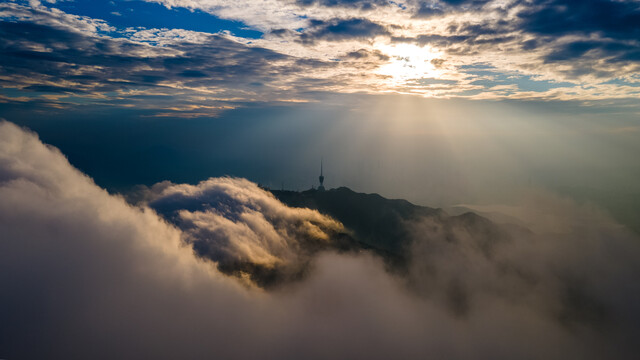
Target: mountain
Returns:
[[389, 228], [385, 225]]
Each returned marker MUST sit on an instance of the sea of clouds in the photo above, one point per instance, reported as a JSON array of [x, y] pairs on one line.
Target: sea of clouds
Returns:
[[85, 274]]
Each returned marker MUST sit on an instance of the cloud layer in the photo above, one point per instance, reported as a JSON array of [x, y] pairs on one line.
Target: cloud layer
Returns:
[[85, 275], [560, 50], [244, 228]]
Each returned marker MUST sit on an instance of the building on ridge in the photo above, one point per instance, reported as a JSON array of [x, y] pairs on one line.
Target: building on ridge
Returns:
[[321, 178]]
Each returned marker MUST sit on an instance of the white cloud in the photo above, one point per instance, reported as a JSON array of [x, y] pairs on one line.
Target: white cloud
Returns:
[[233, 220]]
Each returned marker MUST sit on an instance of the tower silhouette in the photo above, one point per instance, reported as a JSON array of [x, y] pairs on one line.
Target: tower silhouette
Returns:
[[321, 178]]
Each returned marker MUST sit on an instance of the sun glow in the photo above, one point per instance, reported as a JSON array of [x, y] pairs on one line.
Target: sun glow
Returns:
[[409, 62]]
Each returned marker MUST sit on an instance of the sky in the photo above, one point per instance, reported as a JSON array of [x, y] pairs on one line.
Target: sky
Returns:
[[515, 109], [197, 58], [546, 89]]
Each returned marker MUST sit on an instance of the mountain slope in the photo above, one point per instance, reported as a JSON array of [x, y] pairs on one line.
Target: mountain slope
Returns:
[[385, 224]]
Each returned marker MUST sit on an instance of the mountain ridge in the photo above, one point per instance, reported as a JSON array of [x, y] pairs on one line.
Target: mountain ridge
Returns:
[[381, 223]]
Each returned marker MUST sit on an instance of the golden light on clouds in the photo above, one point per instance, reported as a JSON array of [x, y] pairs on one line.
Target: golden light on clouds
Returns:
[[409, 62]]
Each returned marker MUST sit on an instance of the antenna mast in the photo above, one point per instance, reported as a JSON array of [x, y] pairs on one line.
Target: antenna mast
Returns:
[[321, 177]]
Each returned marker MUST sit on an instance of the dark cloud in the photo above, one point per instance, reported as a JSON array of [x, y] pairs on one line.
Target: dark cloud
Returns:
[[54, 89], [342, 29], [193, 74], [467, 4], [428, 9], [614, 24], [610, 19], [361, 4], [595, 50], [484, 28], [366, 54], [425, 11]]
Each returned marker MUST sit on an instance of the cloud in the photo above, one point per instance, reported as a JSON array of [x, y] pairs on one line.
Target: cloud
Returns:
[[342, 29], [361, 4], [301, 52], [424, 9], [38, 52], [95, 261], [86, 275], [599, 35], [568, 269], [498, 32], [89, 276], [47, 51], [613, 19], [238, 225]]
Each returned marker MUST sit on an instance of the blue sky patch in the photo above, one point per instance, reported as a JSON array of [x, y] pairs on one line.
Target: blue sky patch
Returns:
[[124, 14]]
